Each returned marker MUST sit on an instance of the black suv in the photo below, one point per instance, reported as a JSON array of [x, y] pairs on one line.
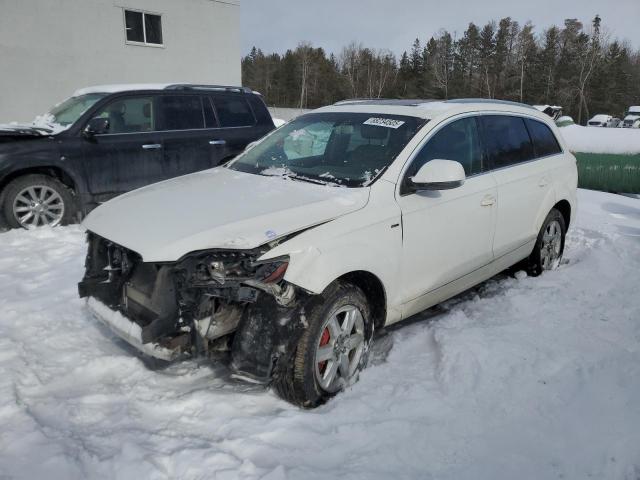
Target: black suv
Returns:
[[104, 141]]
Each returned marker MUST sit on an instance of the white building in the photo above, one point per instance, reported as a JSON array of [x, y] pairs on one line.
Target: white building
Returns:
[[50, 48]]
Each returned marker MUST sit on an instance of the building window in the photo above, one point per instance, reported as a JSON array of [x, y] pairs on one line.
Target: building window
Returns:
[[144, 28]]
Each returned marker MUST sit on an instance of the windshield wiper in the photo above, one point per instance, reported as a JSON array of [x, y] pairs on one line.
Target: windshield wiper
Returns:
[[293, 176]]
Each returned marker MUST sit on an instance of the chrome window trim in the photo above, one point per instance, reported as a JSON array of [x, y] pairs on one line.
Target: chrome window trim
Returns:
[[461, 116]]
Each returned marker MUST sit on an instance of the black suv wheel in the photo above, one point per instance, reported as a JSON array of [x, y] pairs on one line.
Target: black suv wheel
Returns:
[[36, 201]]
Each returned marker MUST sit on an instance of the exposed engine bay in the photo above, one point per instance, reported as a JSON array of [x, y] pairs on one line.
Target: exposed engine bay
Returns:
[[207, 302]]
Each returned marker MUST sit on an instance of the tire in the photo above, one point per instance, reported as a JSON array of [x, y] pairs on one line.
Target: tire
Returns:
[[37, 200], [306, 381], [549, 246]]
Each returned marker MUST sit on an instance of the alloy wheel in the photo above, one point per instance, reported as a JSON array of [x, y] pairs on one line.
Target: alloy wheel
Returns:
[[551, 246], [339, 348], [37, 206]]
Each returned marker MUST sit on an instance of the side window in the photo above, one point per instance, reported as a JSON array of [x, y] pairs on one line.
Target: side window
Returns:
[[458, 141], [507, 140], [544, 141], [233, 111], [130, 115], [181, 112]]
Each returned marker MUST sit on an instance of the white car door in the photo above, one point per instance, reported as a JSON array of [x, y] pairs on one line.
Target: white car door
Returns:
[[448, 233], [524, 182]]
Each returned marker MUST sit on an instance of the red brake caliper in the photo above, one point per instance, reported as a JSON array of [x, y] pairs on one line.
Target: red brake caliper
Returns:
[[324, 339]]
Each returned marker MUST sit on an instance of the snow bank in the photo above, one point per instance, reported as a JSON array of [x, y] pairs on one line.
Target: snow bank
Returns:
[[521, 378], [602, 140]]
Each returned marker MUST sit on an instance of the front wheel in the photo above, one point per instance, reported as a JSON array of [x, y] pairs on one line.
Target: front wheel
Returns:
[[549, 246], [332, 350], [37, 200]]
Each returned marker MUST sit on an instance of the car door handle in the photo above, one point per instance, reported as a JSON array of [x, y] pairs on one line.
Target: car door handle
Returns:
[[152, 146], [217, 142], [543, 182], [488, 200]]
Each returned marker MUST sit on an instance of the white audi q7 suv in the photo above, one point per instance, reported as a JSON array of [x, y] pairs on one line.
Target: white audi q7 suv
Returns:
[[346, 219]]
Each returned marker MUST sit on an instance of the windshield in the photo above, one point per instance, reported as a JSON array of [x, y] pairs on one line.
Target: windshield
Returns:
[[349, 149], [67, 112]]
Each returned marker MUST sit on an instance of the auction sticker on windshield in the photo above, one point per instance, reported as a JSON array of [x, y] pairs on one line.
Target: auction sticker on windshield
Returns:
[[384, 122]]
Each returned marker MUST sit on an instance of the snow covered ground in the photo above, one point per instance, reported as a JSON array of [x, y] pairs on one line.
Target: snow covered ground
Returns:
[[521, 378]]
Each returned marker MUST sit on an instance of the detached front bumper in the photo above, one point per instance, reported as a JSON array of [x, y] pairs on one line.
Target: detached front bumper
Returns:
[[129, 331]]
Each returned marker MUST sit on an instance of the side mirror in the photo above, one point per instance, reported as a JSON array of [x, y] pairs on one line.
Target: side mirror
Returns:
[[96, 126], [438, 175]]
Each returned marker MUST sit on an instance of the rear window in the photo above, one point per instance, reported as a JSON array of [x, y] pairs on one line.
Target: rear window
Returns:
[[507, 140], [233, 111], [544, 141], [181, 112]]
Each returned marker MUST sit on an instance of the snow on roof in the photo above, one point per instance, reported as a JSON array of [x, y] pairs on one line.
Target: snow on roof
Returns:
[[634, 109], [542, 108], [601, 118], [621, 141], [122, 87]]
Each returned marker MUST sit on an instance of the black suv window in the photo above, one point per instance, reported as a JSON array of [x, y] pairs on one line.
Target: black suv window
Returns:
[[506, 139], [544, 141], [458, 141], [233, 111], [181, 112], [130, 115]]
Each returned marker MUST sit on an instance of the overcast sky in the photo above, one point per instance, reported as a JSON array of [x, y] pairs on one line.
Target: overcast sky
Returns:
[[276, 25]]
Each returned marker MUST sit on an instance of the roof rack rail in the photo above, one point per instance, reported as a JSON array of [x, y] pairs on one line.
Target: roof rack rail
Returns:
[[415, 102], [385, 101], [488, 101], [193, 86]]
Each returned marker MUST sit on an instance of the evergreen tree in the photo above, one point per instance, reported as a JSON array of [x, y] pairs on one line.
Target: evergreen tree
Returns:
[[567, 66]]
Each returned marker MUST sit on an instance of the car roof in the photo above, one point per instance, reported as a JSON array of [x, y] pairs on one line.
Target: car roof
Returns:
[[428, 109], [132, 87], [601, 118]]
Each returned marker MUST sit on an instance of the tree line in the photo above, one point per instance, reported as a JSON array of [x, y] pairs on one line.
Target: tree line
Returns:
[[578, 67]]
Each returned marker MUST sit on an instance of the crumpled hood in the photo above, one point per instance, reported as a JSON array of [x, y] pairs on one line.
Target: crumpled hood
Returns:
[[218, 208]]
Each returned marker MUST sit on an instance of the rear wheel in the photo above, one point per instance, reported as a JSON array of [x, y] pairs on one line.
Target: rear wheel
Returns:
[[37, 200], [332, 350], [549, 247]]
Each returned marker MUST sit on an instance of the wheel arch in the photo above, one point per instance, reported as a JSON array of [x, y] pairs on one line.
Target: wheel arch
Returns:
[[564, 207], [373, 289], [51, 171]]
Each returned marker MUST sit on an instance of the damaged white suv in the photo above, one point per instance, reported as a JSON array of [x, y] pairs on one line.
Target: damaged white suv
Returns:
[[345, 220]]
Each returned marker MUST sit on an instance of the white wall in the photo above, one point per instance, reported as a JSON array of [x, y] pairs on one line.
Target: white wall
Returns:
[[49, 48]]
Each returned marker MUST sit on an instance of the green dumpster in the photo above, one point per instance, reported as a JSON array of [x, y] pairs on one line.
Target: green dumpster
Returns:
[[609, 172]]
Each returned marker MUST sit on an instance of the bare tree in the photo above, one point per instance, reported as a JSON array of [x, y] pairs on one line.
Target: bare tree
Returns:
[[525, 51], [590, 57], [443, 61], [350, 62], [304, 51]]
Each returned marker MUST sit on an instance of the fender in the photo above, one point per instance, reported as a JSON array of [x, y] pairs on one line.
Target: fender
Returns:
[[369, 239]]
